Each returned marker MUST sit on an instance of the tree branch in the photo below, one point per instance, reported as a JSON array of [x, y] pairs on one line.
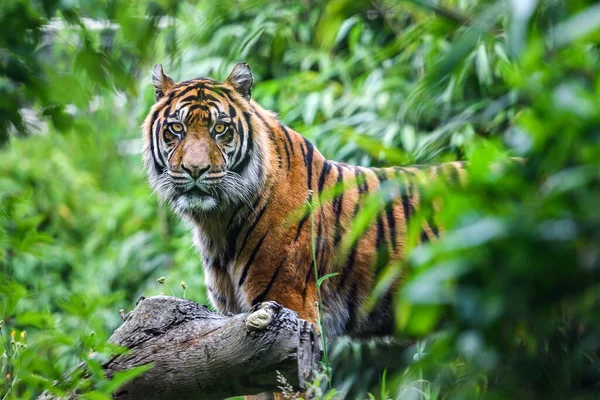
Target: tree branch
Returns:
[[198, 354]]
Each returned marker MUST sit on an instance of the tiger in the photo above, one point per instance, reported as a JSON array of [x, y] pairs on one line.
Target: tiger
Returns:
[[235, 174]]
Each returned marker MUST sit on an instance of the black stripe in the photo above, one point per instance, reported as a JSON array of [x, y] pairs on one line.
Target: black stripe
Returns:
[[223, 89], [216, 296], [287, 154], [252, 227], [232, 112], [381, 246], [361, 181], [210, 97], [405, 195], [381, 176], [154, 133], [454, 176], [251, 260], [300, 225], [227, 94], [362, 188], [308, 162], [324, 172], [193, 108], [287, 136], [232, 230], [389, 210], [238, 154], [320, 251], [380, 233], [188, 83], [245, 158], [174, 114], [191, 119], [167, 110], [172, 95], [265, 123], [260, 298], [351, 306], [188, 99], [337, 204], [248, 135], [168, 140], [407, 207], [391, 221], [233, 215], [216, 88], [434, 229], [412, 190], [348, 266], [211, 104], [319, 242], [273, 140], [305, 217]]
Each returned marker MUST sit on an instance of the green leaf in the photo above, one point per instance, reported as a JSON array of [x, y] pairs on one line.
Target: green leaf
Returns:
[[325, 277]]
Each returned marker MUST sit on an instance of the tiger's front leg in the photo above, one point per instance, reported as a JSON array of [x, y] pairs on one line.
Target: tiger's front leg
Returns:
[[293, 287], [289, 282], [307, 311]]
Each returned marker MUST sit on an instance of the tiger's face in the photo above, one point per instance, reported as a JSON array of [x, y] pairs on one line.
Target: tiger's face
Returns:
[[199, 147]]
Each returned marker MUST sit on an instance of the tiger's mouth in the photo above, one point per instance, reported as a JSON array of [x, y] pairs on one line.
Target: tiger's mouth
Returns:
[[195, 199], [196, 192], [213, 193]]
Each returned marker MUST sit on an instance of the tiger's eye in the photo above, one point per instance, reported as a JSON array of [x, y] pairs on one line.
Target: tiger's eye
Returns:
[[219, 128], [177, 127]]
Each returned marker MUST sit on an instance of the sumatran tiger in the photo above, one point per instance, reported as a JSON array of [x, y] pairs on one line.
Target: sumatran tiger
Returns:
[[236, 174]]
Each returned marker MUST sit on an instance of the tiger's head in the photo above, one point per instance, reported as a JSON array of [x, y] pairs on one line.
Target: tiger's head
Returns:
[[202, 144]]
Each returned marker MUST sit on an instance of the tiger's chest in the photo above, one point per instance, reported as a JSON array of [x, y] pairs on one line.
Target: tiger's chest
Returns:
[[222, 291], [219, 269]]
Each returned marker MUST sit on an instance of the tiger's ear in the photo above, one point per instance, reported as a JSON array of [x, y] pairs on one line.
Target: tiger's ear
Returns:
[[241, 79], [161, 81]]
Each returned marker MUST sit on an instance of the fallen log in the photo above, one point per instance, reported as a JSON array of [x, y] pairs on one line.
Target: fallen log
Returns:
[[198, 354]]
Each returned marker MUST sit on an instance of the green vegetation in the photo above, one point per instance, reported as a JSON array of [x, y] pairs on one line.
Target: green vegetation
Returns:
[[504, 306]]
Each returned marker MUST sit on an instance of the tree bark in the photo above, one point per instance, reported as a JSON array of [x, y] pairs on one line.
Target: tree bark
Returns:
[[198, 354]]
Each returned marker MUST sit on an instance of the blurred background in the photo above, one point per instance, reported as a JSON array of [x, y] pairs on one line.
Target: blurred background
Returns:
[[504, 307]]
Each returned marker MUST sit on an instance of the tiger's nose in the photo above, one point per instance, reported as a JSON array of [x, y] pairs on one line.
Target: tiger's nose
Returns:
[[195, 171]]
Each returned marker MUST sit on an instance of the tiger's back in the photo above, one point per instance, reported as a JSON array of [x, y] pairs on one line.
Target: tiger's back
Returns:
[[241, 180]]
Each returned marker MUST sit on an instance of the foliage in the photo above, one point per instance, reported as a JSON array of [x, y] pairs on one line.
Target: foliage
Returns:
[[506, 302]]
